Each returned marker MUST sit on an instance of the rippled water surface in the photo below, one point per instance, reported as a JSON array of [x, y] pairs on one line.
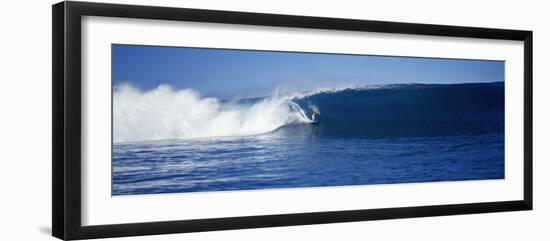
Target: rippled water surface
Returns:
[[306, 160]]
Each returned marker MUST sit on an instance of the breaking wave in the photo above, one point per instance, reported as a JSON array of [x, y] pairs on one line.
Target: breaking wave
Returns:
[[167, 113], [382, 111]]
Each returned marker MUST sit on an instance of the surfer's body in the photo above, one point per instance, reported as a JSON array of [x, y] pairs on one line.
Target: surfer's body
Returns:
[[314, 117]]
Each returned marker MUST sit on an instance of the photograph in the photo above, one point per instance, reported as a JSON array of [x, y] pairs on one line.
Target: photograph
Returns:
[[191, 119]]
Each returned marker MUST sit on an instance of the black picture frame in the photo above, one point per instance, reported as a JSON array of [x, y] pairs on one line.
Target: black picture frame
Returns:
[[66, 128]]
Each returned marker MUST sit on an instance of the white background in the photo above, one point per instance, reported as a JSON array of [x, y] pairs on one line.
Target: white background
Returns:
[[25, 126]]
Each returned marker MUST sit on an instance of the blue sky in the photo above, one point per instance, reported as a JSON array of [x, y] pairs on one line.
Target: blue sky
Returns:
[[240, 73]]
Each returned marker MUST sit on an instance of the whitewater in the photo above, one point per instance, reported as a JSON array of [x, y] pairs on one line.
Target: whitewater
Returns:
[[167, 113]]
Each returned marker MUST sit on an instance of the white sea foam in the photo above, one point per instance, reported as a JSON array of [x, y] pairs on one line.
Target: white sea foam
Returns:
[[167, 113]]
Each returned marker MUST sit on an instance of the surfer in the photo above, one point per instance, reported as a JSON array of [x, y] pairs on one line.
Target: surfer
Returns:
[[314, 117]]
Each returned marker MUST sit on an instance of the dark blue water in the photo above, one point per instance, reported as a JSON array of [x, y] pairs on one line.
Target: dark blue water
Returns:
[[398, 134]]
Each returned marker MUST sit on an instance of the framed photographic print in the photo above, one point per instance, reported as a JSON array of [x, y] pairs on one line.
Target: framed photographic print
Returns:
[[170, 120]]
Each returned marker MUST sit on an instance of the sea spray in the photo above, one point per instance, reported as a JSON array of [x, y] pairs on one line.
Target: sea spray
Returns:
[[314, 109], [167, 113]]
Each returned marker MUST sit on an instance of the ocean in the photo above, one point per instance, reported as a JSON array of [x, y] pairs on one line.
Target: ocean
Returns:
[[404, 133]]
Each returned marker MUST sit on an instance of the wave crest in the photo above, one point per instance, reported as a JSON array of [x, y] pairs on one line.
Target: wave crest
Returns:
[[166, 113]]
